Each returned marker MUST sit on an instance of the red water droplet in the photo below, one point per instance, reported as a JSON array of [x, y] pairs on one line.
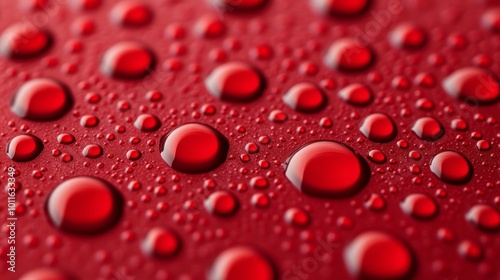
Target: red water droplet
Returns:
[[377, 156], [89, 121], [41, 100], [84, 205], [428, 129], [473, 85], [209, 27], [65, 138], [241, 263], [491, 19], [377, 255], [239, 5], [484, 217], [85, 4], [342, 8], [24, 41], [260, 200], [375, 202], [348, 54], [470, 250], [297, 217], [327, 168], [128, 60], [356, 94], [278, 116], [235, 81], [33, 5], [483, 145], [221, 203], [408, 36], [46, 274], [305, 97], [378, 128], [134, 154], [92, 151], [161, 243], [452, 167], [419, 206], [147, 123], [24, 148], [194, 148], [131, 14]]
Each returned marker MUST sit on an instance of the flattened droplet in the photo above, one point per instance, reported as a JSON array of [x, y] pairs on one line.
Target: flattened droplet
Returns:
[[340, 8], [452, 167], [24, 148], [128, 60], [194, 148], [41, 100], [348, 54], [239, 5], [377, 255], [241, 263], [131, 14], [356, 94], [420, 206], [408, 36], [46, 274], [473, 85], [484, 217], [235, 81], [327, 169], [24, 41], [84, 205]]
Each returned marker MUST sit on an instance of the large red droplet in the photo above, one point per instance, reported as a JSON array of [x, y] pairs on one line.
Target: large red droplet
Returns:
[[327, 168], [24, 40], [241, 263], [484, 217], [161, 243], [378, 128], [408, 36], [235, 81], [239, 5], [41, 100], [341, 8], [305, 97], [24, 148], [377, 255], [131, 13], [356, 94], [221, 203], [473, 85], [452, 167], [84, 205], [428, 129], [348, 54], [419, 206], [128, 60], [194, 148], [46, 274]]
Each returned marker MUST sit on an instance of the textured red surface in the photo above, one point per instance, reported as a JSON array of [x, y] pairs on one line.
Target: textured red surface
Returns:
[[287, 42]]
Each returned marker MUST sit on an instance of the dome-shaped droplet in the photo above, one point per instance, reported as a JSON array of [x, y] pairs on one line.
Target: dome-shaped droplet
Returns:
[[377, 255], [327, 168], [428, 129], [420, 206], [147, 123], [24, 148], [473, 85], [484, 217], [127, 60], [41, 100], [92, 151], [356, 94], [408, 36], [452, 167], [297, 217], [46, 273], [241, 263], [235, 81], [305, 97], [240, 5], [24, 40], [194, 148], [131, 14], [378, 128], [161, 243], [340, 8], [348, 54], [84, 205], [221, 203], [491, 19]]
